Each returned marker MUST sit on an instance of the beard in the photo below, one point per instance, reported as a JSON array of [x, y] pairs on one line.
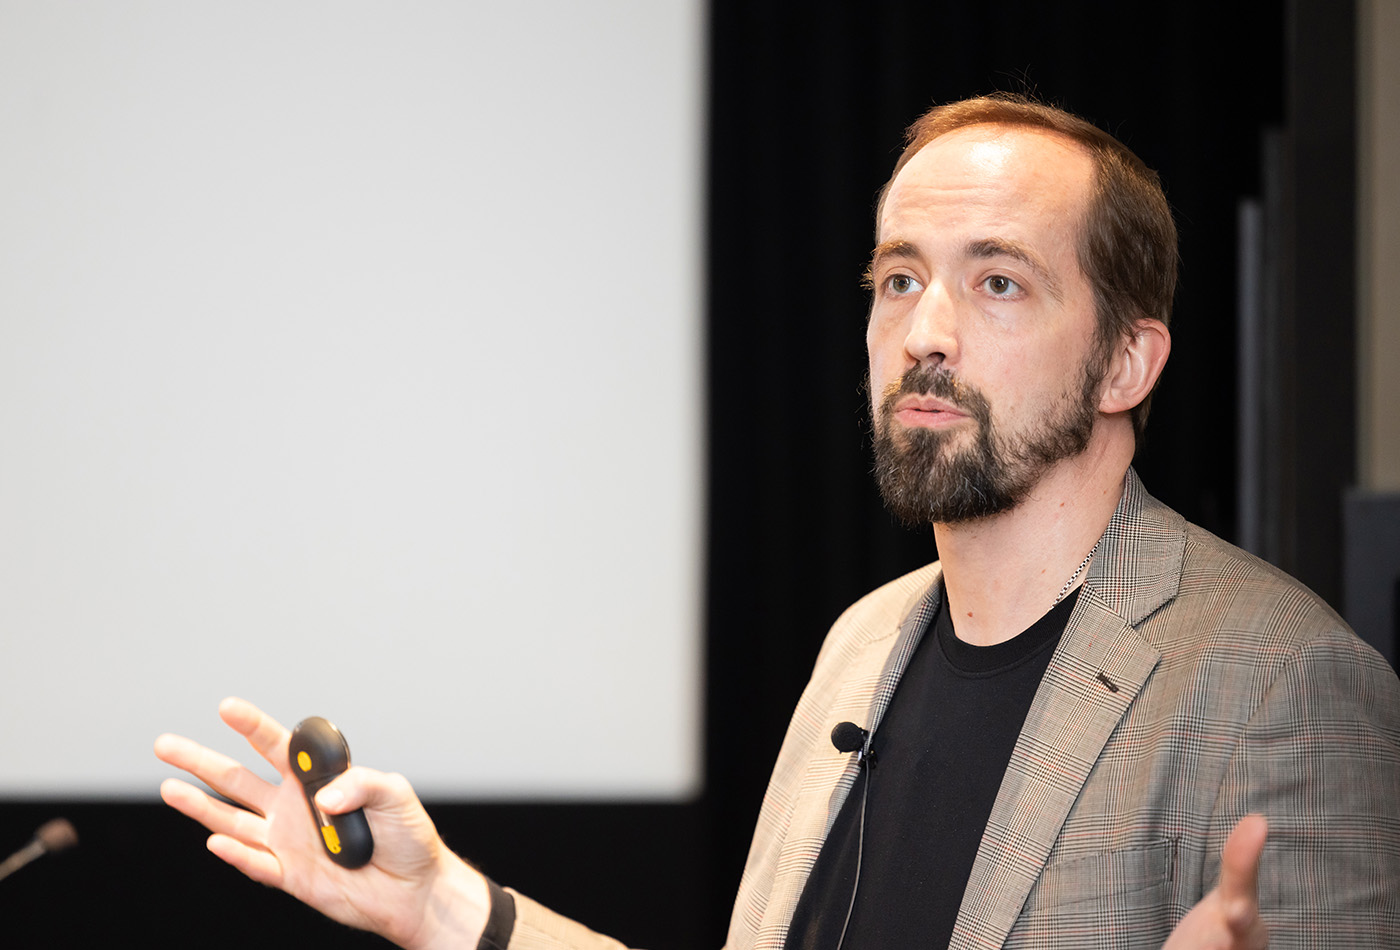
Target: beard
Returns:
[[924, 478]]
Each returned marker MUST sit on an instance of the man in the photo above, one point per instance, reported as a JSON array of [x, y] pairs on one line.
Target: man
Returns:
[[1085, 719]]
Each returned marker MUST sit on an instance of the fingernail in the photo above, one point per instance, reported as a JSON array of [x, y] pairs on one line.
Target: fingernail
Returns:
[[330, 798]]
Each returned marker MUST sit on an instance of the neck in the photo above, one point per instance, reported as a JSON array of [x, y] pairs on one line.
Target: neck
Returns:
[[1004, 572]]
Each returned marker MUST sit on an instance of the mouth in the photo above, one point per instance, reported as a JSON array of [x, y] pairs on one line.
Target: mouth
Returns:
[[927, 412]]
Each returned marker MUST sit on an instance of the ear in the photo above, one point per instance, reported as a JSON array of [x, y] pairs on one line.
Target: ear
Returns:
[[1137, 362]]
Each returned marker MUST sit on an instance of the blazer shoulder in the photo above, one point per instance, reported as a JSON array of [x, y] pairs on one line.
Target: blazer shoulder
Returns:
[[1246, 586], [1180, 585], [1231, 605], [881, 612]]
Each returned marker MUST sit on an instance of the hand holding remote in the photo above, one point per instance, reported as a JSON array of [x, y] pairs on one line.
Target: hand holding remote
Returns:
[[414, 891], [317, 754]]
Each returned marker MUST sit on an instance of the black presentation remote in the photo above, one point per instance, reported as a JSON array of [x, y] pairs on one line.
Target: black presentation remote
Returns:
[[319, 753]]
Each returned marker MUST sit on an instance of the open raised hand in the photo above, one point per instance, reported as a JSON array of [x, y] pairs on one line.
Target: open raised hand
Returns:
[[414, 892]]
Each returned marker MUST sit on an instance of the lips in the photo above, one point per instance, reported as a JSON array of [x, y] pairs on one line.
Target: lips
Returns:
[[927, 412], [926, 403], [931, 398]]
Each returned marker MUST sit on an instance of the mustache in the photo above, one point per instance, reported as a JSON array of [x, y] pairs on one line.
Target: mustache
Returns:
[[940, 383]]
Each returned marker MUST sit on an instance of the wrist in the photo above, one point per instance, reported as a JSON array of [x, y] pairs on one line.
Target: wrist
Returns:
[[456, 909]]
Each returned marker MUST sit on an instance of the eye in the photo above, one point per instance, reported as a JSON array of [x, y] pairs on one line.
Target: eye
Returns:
[[901, 284], [1001, 286]]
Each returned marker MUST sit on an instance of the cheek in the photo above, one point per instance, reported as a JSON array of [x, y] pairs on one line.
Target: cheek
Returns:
[[886, 359], [1041, 384], [882, 374], [872, 339]]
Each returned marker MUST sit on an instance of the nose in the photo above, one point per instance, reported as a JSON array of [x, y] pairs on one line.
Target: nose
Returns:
[[933, 332]]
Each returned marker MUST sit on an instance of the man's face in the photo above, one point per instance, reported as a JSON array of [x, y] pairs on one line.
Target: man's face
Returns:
[[984, 372]]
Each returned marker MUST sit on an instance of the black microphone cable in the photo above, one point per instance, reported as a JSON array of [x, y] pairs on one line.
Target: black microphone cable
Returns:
[[848, 737]]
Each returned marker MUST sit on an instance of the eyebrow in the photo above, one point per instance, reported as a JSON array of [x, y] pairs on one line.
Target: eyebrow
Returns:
[[985, 248], [980, 249], [885, 250]]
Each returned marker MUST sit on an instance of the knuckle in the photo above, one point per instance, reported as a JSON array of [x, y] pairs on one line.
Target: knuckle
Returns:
[[396, 784]]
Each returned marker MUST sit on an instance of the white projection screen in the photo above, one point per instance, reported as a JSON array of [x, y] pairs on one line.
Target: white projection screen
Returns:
[[351, 363]]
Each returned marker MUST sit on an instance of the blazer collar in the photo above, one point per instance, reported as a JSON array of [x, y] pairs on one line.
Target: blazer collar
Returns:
[[1138, 567]]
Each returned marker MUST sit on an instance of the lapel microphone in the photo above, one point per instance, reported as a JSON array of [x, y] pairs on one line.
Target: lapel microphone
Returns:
[[848, 737]]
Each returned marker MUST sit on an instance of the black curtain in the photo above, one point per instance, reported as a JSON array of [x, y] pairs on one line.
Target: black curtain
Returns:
[[807, 106], [808, 112]]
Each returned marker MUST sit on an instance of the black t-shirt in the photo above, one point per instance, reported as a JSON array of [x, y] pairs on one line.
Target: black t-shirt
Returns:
[[941, 750]]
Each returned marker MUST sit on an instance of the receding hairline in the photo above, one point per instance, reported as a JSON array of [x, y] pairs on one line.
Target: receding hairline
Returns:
[[1018, 111], [1003, 127], [992, 244]]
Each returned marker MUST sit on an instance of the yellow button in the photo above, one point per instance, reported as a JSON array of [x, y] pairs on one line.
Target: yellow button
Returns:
[[304, 761], [332, 839]]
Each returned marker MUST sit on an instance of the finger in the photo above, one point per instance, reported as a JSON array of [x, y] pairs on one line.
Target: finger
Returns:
[[224, 775], [1239, 870], [219, 817], [265, 734], [261, 866]]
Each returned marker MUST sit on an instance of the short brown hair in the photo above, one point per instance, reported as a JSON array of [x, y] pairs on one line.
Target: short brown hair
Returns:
[[1127, 245]]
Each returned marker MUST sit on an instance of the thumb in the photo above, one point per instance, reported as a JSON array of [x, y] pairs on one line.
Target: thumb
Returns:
[[1239, 869], [359, 787]]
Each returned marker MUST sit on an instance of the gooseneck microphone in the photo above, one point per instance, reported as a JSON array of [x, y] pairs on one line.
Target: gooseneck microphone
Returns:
[[55, 835]]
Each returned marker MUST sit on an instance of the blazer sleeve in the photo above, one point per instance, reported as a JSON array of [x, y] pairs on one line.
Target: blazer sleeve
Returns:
[[1320, 759], [539, 928]]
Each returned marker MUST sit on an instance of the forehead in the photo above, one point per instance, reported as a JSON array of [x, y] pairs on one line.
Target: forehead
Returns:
[[994, 177]]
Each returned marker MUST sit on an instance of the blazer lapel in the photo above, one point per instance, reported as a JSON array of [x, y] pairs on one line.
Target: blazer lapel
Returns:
[[1098, 669], [869, 675]]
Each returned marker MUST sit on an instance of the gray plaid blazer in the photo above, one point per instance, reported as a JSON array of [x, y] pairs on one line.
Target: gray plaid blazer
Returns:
[[1193, 684]]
